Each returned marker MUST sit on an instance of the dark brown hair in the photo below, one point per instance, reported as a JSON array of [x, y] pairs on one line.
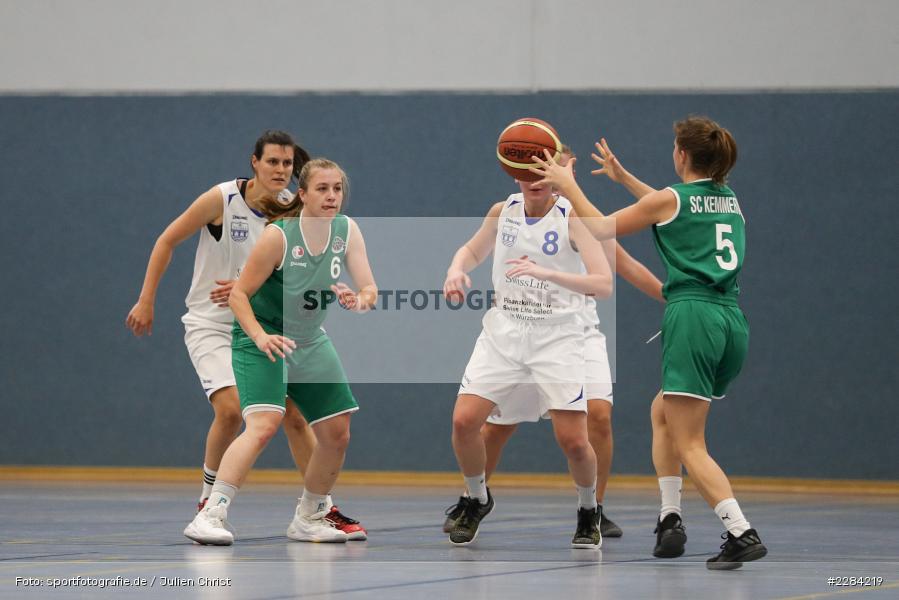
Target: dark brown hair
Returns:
[[711, 148]]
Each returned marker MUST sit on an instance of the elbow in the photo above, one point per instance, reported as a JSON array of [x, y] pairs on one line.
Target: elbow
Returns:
[[603, 287]]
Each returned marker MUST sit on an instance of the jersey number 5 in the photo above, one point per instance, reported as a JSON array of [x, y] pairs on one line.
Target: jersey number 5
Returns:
[[722, 243]]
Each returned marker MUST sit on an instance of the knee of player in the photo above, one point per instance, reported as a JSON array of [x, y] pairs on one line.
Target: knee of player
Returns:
[[335, 439], [228, 416], [575, 447], [688, 448], [600, 423], [465, 424], [263, 432]]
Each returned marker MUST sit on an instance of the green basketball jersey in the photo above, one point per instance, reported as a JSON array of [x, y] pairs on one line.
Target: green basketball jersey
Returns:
[[295, 298], [703, 244]]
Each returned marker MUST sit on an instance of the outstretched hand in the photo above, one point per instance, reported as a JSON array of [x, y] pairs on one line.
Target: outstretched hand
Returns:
[[140, 319], [455, 284], [347, 298], [609, 165], [552, 172]]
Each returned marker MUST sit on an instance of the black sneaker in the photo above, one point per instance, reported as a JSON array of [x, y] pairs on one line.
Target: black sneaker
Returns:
[[737, 550], [587, 534], [607, 527], [670, 537], [465, 529], [454, 512]]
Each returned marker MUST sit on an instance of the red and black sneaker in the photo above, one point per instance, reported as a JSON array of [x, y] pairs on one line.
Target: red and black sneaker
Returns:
[[350, 527]]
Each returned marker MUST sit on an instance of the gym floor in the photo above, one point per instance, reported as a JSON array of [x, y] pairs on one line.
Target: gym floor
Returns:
[[52, 532]]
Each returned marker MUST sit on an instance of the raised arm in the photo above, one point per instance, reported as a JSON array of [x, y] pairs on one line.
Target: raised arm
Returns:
[[266, 256], [471, 254], [206, 209], [614, 170], [655, 207]]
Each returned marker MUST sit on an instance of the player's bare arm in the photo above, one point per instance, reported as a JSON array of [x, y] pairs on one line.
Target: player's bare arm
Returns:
[[636, 274], [471, 254], [656, 207], [206, 209], [596, 282], [562, 178], [360, 272], [266, 256]]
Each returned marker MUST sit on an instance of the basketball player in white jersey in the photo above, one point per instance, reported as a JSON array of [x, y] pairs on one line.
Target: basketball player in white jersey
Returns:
[[597, 388], [533, 335], [230, 217]]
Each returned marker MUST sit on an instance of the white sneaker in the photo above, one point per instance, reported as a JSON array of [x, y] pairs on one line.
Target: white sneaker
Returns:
[[211, 527], [314, 528]]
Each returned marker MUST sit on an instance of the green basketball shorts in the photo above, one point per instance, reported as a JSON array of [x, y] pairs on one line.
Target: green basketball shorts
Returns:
[[311, 376], [704, 345]]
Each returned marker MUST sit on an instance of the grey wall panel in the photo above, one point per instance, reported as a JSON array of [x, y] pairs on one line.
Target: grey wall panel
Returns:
[[502, 45], [91, 181]]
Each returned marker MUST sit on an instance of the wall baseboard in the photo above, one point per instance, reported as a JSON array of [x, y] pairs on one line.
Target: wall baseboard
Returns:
[[432, 479]]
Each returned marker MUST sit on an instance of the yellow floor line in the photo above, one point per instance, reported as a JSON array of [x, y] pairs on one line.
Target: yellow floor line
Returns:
[[433, 479]]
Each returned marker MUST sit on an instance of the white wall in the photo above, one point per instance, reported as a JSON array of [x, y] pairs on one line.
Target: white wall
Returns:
[[85, 46]]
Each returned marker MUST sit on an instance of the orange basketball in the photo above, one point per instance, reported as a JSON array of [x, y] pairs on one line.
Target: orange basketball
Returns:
[[523, 139]]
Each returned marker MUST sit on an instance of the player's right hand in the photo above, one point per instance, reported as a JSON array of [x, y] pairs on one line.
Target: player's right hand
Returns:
[[455, 284], [140, 319], [609, 165], [274, 344]]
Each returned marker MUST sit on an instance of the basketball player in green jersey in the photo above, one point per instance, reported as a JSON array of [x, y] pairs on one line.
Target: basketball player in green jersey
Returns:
[[699, 232], [280, 349]]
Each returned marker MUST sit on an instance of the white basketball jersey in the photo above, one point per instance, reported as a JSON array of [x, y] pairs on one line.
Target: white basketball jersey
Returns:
[[547, 243], [223, 258]]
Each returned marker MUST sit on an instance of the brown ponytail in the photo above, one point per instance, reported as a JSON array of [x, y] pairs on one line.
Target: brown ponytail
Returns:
[[711, 148]]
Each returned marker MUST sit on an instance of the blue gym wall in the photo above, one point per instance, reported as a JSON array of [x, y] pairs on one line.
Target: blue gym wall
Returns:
[[89, 182]]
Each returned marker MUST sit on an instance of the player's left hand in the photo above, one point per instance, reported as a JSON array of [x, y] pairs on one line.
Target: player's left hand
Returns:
[[552, 172], [525, 266], [347, 298], [219, 296]]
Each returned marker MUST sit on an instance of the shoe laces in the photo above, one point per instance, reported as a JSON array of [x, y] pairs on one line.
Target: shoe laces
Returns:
[[585, 520], [458, 506], [335, 516], [470, 510], [728, 539]]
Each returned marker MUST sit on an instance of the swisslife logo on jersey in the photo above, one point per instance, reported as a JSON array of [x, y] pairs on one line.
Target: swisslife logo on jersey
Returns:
[[297, 252]]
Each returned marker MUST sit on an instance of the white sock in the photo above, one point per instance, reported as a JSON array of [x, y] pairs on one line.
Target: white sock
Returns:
[[586, 496], [477, 487], [222, 494], [208, 482], [311, 504], [670, 488], [732, 517]]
